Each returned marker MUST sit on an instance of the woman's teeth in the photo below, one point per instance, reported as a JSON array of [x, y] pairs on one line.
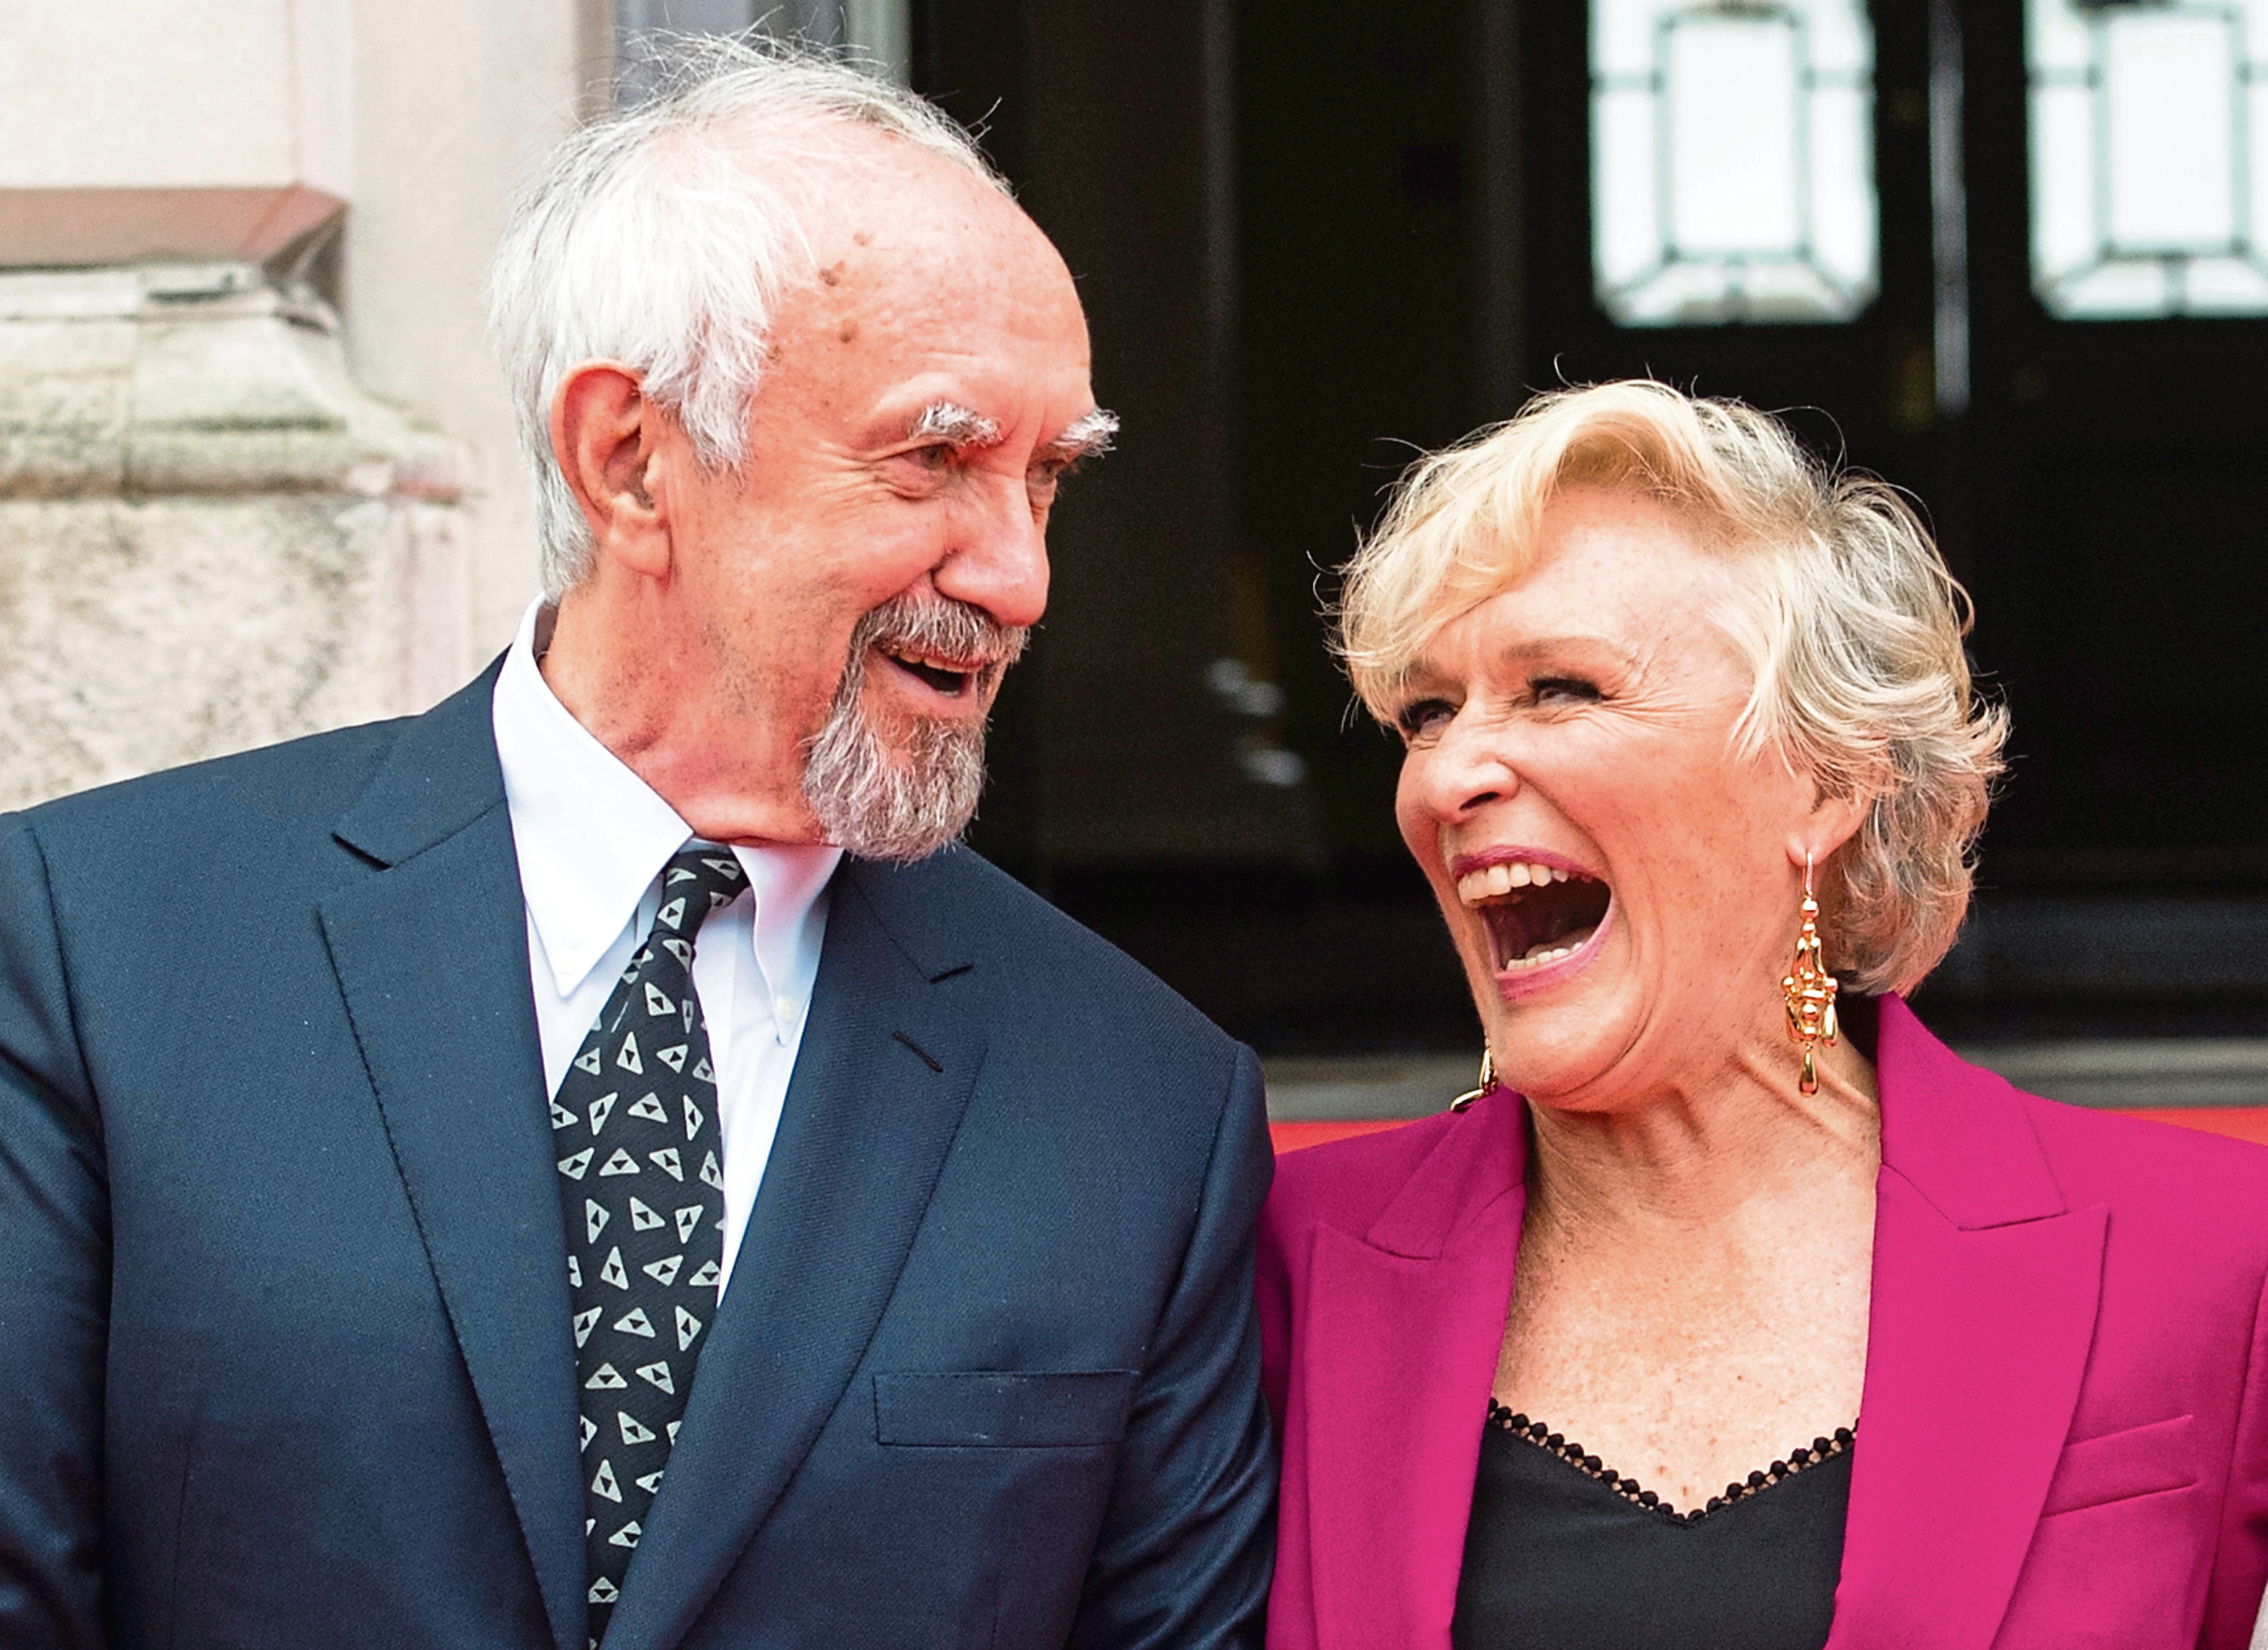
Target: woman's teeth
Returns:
[[1491, 881], [1534, 914]]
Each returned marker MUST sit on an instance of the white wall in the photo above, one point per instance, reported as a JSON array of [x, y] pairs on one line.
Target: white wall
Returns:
[[455, 102], [147, 92], [139, 128]]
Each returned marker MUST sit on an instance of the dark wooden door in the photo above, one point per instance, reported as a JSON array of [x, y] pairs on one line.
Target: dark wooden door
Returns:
[[2116, 476], [1865, 385], [2104, 491]]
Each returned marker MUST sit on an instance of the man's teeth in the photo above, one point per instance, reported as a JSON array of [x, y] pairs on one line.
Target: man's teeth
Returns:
[[1491, 881], [951, 667]]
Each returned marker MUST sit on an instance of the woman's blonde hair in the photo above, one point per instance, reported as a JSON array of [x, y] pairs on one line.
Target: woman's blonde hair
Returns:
[[1853, 632]]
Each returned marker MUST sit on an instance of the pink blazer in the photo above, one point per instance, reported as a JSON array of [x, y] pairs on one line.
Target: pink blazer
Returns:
[[2064, 1436]]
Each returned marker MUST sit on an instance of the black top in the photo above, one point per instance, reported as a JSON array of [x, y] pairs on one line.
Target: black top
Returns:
[[1565, 1554]]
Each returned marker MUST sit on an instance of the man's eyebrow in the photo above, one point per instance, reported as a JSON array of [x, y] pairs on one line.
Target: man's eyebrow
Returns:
[[1089, 436], [949, 420]]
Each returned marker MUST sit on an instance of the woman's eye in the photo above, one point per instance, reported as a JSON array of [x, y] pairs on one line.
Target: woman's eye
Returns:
[[1563, 690], [1424, 717]]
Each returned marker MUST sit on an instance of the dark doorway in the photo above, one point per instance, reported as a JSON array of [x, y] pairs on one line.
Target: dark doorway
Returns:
[[2095, 479], [2116, 471], [1862, 388], [1405, 224]]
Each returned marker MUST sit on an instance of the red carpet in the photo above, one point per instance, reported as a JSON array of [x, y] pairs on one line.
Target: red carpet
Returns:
[[2239, 1122]]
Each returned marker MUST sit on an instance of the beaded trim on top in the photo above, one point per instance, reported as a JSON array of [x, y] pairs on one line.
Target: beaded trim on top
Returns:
[[1543, 1438]]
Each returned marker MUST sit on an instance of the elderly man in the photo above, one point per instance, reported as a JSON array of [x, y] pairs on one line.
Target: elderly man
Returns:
[[594, 1162]]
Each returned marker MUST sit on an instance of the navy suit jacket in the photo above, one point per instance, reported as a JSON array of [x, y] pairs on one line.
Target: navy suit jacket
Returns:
[[284, 1307]]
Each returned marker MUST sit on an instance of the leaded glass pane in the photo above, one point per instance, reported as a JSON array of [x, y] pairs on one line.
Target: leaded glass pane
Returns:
[[2149, 157], [1732, 160]]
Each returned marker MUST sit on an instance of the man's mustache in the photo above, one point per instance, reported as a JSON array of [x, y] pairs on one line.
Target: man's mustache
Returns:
[[933, 626]]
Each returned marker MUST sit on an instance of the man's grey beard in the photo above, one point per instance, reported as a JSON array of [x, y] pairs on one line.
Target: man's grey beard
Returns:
[[881, 805]]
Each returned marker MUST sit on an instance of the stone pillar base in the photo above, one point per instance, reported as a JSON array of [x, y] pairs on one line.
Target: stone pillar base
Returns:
[[208, 538]]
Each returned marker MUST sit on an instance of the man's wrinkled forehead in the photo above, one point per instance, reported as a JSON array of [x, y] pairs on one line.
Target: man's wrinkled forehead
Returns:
[[880, 202]]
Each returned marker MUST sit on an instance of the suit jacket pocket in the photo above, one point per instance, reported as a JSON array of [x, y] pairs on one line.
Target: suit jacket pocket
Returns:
[[1002, 1409], [2120, 1466]]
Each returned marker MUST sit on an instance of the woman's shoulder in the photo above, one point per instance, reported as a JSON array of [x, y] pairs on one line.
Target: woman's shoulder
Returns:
[[1436, 1169], [1350, 1182], [1974, 1143], [2187, 1174]]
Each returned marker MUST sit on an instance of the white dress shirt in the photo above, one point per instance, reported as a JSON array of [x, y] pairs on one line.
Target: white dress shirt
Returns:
[[593, 839]]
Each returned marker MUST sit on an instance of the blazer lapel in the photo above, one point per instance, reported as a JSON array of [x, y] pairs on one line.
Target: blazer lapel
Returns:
[[432, 958], [882, 1081], [1984, 1292], [1397, 1359]]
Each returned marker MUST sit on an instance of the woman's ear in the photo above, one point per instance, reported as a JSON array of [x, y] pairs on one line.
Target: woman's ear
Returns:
[[1832, 822], [605, 437]]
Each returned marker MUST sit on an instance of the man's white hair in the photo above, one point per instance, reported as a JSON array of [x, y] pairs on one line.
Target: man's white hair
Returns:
[[663, 236]]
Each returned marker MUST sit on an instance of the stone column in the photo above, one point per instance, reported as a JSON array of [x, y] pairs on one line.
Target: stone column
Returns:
[[211, 534], [208, 538]]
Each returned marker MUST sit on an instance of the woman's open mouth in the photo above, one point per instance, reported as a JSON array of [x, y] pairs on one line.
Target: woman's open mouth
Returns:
[[1535, 913]]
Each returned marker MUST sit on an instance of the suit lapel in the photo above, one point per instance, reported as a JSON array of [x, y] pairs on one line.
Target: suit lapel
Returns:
[[882, 1081], [432, 958], [1401, 1350], [1985, 1294]]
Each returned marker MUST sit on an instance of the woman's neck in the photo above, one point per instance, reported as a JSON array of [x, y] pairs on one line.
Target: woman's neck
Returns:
[[1692, 1288], [1691, 1156]]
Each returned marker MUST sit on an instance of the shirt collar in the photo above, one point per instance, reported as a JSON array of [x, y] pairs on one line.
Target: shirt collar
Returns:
[[591, 836], [790, 889]]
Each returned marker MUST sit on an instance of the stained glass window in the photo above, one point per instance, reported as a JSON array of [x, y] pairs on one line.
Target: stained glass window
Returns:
[[1732, 160], [2149, 157]]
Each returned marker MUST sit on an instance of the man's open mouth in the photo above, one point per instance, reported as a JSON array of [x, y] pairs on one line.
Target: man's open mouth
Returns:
[[952, 678], [1534, 914]]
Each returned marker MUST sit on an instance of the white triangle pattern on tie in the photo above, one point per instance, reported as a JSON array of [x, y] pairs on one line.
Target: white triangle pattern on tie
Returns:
[[642, 1190]]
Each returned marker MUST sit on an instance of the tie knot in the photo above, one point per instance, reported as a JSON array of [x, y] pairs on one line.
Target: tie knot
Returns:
[[698, 878]]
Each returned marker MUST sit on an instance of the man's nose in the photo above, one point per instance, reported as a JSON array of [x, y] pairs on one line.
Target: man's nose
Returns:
[[999, 561]]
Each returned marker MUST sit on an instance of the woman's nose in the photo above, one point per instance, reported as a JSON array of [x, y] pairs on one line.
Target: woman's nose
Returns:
[[1463, 769]]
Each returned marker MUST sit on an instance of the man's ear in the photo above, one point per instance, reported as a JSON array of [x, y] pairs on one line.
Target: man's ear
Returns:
[[605, 437]]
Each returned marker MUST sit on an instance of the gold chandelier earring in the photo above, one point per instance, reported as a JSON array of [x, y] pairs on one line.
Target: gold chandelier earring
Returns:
[[1487, 1082], [1810, 989]]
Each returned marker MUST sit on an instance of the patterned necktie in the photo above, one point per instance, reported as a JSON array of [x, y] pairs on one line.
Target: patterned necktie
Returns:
[[634, 1124]]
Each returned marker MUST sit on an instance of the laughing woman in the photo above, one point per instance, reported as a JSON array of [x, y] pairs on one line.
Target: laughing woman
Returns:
[[1863, 1347]]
